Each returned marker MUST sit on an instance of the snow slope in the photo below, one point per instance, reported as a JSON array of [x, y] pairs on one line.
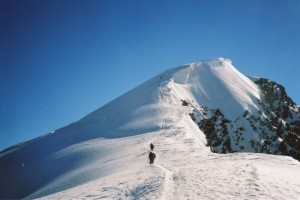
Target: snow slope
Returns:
[[104, 155], [218, 84]]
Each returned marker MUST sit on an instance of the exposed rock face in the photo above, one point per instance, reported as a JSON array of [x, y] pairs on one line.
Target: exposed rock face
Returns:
[[275, 128], [283, 119], [215, 128]]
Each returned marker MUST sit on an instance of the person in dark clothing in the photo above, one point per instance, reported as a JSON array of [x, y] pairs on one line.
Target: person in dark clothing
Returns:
[[151, 147], [152, 157]]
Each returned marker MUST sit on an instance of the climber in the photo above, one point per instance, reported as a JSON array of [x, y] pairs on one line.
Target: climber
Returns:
[[151, 147], [152, 157]]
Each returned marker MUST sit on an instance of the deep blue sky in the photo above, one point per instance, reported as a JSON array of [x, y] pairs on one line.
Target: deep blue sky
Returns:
[[62, 59]]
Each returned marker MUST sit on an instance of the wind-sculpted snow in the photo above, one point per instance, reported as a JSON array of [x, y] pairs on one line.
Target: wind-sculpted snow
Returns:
[[186, 112]]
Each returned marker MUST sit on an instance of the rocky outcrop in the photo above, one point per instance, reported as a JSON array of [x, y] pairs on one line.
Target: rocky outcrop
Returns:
[[283, 118], [273, 129]]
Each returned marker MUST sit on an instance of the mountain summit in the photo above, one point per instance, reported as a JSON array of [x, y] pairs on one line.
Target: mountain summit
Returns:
[[242, 114], [187, 112]]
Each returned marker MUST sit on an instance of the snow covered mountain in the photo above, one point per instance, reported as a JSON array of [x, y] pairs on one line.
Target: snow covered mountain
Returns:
[[187, 112], [241, 114]]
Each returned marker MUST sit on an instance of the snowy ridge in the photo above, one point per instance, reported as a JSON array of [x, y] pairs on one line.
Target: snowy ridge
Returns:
[[104, 155], [218, 84]]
